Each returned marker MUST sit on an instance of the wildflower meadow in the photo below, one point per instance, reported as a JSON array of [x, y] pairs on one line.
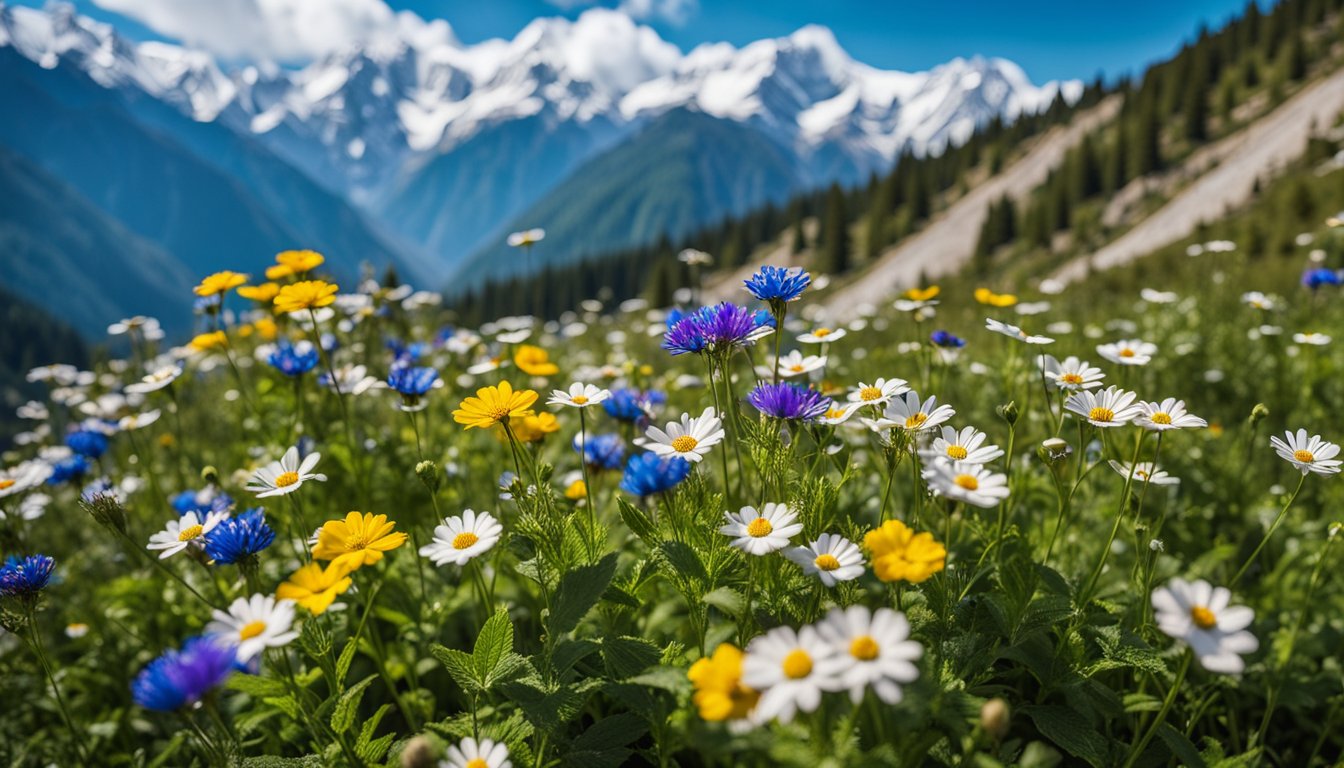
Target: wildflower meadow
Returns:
[[965, 528]]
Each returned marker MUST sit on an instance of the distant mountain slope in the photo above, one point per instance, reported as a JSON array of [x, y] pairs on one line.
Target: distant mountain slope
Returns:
[[685, 171], [68, 257], [32, 337]]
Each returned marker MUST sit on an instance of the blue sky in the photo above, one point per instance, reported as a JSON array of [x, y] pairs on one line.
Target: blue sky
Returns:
[[1050, 39]]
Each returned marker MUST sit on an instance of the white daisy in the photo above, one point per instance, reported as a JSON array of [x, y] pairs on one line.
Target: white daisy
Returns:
[[969, 483], [1314, 339], [908, 413], [255, 624], [875, 648], [839, 414], [966, 446], [793, 364], [1012, 331], [186, 531], [473, 754], [690, 439], [1308, 454], [1111, 407], [831, 558], [1198, 614], [138, 420], [155, 381], [23, 476], [350, 379], [1153, 296], [463, 538], [286, 475], [1145, 472], [528, 238], [580, 395], [764, 532], [878, 392], [1070, 375], [1128, 352], [822, 336], [1258, 300], [1168, 414], [790, 669]]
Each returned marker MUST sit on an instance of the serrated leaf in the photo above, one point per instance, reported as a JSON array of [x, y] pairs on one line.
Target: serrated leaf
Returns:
[[343, 716], [627, 656], [1072, 732], [579, 590], [367, 729], [611, 732], [285, 704], [570, 652], [1184, 749], [728, 600], [460, 665], [256, 685], [492, 644], [346, 659], [682, 562], [637, 521]]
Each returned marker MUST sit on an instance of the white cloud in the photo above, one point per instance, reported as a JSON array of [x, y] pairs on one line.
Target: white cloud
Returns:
[[284, 30], [676, 12]]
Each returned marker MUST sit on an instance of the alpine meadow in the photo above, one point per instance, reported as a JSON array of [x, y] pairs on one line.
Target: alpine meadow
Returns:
[[614, 396]]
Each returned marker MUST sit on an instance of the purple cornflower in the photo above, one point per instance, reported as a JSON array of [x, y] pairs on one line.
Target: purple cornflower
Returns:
[[790, 402]]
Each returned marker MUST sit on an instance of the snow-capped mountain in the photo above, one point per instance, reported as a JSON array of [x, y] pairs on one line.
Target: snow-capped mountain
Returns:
[[445, 143]]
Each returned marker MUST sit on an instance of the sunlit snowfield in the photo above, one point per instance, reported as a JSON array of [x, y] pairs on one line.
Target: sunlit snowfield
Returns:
[[964, 528]]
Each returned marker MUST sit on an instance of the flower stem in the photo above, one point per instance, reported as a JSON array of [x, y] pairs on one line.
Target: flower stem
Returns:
[[36, 641], [1273, 527], [1137, 750]]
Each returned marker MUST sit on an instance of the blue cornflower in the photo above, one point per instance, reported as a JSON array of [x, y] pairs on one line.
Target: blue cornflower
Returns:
[[778, 284], [407, 353], [946, 340], [25, 577], [180, 678], [294, 359], [685, 335], [789, 401], [602, 451], [100, 487], [627, 404], [68, 469], [87, 442], [445, 333], [647, 474], [201, 502], [412, 383], [1316, 277], [721, 327], [239, 537]]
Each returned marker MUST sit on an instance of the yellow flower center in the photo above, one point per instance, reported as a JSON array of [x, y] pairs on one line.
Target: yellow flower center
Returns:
[[356, 542], [759, 527], [190, 532], [579, 399], [834, 413], [916, 421], [868, 394], [6, 482], [796, 367], [1126, 352], [465, 539], [251, 630], [822, 332], [956, 452], [1203, 617], [1304, 456], [1101, 414], [477, 762], [968, 482], [797, 665], [826, 562], [684, 444], [1160, 418], [863, 648], [286, 479], [1071, 378]]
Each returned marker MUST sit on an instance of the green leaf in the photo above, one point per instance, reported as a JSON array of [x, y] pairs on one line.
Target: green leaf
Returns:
[[570, 652], [344, 715], [256, 685], [682, 562], [628, 656], [638, 521], [494, 642], [366, 730], [344, 662], [728, 600], [1071, 731], [579, 591], [460, 665], [1184, 749], [610, 732]]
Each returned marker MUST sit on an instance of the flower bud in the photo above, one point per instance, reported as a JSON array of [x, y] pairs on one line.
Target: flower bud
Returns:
[[995, 717], [1008, 412], [1259, 412], [428, 472], [1054, 451], [210, 475], [106, 509], [419, 753]]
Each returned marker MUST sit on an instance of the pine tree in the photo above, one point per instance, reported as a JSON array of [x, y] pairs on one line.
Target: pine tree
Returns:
[[834, 257]]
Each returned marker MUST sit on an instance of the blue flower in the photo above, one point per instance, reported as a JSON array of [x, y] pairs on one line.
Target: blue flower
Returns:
[[789, 401], [208, 499], [778, 284], [445, 333], [412, 382], [946, 340], [294, 359], [632, 405], [87, 442], [239, 537], [646, 474], [1318, 276], [100, 487], [68, 469], [407, 353], [602, 451], [25, 577], [721, 327], [180, 678]]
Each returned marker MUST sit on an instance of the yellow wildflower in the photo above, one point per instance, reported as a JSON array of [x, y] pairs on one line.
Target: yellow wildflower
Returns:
[[923, 294], [315, 587], [986, 296], [719, 692], [360, 539], [492, 405], [534, 361], [263, 293], [306, 294], [900, 554], [204, 342], [299, 262], [534, 426], [220, 282], [577, 490]]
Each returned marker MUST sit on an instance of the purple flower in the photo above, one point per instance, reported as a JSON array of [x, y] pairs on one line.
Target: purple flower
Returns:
[[718, 328], [790, 402], [180, 678]]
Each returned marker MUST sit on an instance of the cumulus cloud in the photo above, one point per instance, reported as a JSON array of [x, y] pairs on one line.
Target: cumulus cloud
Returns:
[[283, 30], [676, 12]]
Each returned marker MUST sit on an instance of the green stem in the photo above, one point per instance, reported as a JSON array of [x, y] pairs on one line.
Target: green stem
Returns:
[[1273, 527], [1137, 750], [36, 641]]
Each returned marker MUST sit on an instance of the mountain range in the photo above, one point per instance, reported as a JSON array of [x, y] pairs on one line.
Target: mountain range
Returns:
[[422, 152]]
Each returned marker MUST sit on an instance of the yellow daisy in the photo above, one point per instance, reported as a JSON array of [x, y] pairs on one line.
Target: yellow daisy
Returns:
[[534, 361], [315, 587], [986, 296], [305, 294], [299, 261], [534, 426], [900, 554], [719, 692], [220, 282], [493, 405], [360, 539], [923, 294], [205, 342], [263, 293]]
